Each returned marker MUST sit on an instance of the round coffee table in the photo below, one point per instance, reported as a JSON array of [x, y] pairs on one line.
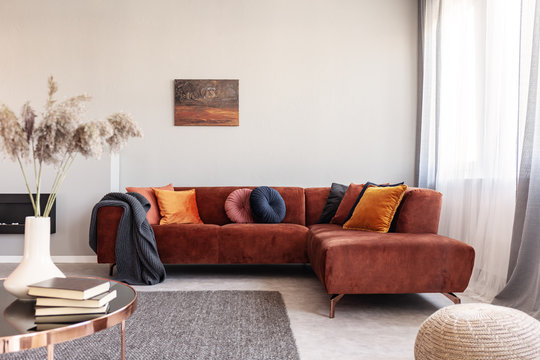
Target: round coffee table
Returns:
[[17, 327]]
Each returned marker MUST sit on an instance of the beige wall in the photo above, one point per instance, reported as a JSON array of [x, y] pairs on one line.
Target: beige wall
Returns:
[[327, 91]]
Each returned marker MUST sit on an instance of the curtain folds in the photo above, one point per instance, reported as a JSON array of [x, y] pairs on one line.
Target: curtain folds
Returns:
[[469, 126], [429, 58], [523, 288]]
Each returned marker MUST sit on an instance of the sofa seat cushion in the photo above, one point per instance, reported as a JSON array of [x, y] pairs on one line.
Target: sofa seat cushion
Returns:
[[187, 243], [262, 244], [358, 262]]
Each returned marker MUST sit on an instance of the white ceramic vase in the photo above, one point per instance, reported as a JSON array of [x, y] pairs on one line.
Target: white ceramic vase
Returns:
[[36, 264]]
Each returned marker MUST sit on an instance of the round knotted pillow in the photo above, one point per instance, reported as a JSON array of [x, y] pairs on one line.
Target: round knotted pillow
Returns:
[[267, 205], [237, 206]]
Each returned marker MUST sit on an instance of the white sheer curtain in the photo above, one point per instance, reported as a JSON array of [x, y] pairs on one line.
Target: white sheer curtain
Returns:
[[523, 288], [469, 126]]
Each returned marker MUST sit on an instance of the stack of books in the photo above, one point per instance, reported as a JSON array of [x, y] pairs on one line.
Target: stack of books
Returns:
[[62, 301]]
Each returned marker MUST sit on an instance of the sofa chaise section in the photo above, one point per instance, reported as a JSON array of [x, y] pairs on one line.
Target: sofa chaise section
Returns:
[[357, 262], [412, 259]]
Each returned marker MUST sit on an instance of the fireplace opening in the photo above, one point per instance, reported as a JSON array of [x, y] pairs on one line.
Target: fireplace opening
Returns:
[[15, 207]]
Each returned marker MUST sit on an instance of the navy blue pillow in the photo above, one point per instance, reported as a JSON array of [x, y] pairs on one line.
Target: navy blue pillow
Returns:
[[362, 194], [267, 205]]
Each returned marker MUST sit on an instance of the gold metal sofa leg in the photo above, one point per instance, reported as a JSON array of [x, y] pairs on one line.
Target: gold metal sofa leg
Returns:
[[333, 301], [452, 297]]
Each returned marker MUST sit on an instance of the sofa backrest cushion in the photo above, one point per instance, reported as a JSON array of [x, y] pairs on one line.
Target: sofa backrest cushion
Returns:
[[211, 203], [419, 212]]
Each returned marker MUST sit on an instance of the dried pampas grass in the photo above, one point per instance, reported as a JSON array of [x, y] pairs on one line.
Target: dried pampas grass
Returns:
[[15, 140], [59, 137], [123, 128]]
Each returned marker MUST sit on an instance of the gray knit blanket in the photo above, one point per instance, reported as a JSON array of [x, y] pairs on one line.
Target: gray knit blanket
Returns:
[[137, 257]]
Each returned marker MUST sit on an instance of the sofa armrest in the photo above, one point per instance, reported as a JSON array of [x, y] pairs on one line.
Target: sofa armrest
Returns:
[[419, 212], [108, 219]]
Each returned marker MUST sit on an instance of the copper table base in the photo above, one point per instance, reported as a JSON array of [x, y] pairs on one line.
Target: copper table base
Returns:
[[50, 347]]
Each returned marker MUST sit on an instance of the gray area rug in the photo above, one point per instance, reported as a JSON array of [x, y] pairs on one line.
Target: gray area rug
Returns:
[[191, 325]]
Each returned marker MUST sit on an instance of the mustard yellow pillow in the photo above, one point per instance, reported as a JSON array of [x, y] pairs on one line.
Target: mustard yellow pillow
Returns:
[[177, 207], [376, 209]]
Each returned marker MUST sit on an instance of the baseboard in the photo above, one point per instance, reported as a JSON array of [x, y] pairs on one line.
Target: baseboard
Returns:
[[56, 259]]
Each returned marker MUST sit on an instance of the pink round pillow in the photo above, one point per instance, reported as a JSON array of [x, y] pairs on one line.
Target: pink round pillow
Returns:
[[237, 206]]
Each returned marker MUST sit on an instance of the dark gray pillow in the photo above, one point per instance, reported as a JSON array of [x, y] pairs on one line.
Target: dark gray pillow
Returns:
[[337, 191]]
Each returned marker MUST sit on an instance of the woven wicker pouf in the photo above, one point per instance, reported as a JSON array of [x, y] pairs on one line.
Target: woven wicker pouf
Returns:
[[478, 332]]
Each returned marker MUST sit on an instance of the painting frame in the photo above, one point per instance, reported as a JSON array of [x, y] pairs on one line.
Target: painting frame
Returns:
[[206, 102]]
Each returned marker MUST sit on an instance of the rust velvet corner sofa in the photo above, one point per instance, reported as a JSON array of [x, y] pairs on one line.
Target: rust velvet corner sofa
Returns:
[[411, 258]]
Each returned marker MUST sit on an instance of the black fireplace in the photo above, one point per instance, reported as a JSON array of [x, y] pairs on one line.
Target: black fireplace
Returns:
[[15, 207]]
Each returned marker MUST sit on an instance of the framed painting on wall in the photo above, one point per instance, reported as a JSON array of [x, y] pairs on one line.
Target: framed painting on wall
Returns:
[[206, 103]]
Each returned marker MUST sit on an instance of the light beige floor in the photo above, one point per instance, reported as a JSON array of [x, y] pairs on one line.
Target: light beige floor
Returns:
[[370, 327]]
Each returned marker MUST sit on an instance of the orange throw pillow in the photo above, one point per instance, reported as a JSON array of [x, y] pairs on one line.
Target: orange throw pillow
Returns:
[[347, 203], [376, 209], [152, 215], [178, 207]]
